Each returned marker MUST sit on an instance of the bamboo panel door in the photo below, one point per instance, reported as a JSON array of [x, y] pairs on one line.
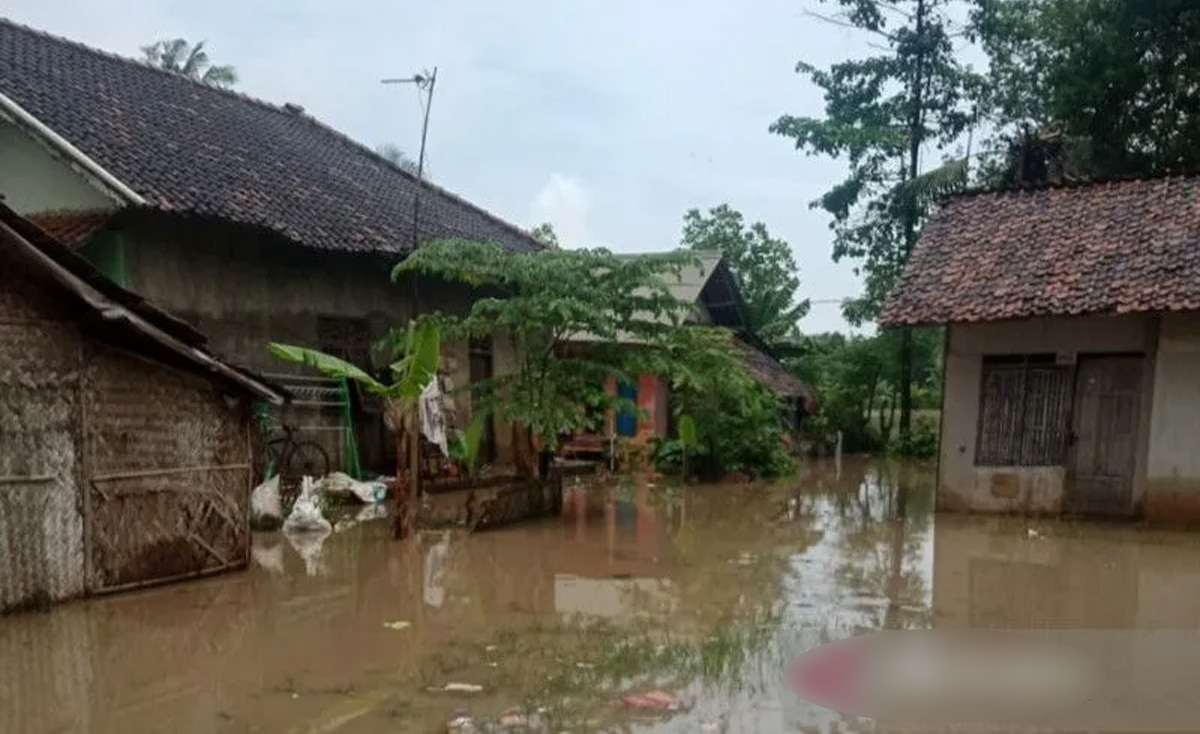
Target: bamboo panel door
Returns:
[[168, 475]]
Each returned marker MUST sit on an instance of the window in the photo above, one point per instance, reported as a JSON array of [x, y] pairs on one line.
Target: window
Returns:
[[1024, 409]]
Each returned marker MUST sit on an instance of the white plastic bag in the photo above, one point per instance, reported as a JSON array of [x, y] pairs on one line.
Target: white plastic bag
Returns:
[[266, 510], [306, 515], [343, 486], [433, 421]]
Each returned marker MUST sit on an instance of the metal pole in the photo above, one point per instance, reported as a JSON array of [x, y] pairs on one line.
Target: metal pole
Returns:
[[426, 83]]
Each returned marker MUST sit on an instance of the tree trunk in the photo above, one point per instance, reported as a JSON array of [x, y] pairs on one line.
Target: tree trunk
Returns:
[[916, 137], [407, 465], [523, 452], [402, 489]]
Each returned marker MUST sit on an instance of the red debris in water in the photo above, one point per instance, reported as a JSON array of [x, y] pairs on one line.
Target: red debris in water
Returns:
[[652, 700]]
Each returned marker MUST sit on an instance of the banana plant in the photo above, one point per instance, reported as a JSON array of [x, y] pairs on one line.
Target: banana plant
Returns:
[[417, 352]]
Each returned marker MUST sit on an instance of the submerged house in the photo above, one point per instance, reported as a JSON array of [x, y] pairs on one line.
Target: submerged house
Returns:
[[251, 221], [124, 444], [711, 289], [1072, 366]]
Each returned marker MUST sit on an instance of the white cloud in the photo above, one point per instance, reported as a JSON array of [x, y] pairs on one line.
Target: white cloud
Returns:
[[566, 204]]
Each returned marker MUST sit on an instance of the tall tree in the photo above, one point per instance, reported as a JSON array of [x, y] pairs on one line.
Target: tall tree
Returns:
[[1114, 80], [763, 264], [881, 112], [179, 56]]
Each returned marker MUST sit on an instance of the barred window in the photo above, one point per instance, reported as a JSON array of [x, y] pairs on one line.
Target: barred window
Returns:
[[1024, 410]]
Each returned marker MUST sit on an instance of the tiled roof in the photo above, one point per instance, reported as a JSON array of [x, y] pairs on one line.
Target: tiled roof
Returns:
[[1113, 247], [774, 376], [71, 228], [183, 145]]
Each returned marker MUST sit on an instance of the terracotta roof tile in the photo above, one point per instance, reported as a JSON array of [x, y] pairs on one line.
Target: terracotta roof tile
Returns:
[[189, 147], [1113, 247], [71, 228]]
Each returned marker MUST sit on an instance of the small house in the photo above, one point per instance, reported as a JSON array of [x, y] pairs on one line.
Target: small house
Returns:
[[253, 222], [124, 444], [714, 296], [1072, 355]]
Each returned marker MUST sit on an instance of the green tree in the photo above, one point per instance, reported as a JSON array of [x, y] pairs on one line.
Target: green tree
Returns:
[[855, 378], [545, 234], [578, 319], [397, 157], [880, 113], [1114, 80], [178, 56], [763, 264], [553, 302]]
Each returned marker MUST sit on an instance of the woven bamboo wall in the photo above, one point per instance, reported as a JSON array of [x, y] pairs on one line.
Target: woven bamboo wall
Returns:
[[41, 527], [168, 473]]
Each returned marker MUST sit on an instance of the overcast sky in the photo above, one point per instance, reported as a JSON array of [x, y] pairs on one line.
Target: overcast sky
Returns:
[[607, 118]]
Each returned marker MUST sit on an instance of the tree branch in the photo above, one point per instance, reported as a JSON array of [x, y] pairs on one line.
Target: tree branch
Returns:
[[832, 20]]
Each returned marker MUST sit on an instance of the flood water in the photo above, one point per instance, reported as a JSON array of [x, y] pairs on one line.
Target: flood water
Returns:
[[704, 592]]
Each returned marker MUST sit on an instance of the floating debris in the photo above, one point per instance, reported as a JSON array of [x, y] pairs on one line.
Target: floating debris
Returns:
[[651, 700], [513, 718], [458, 688], [398, 625]]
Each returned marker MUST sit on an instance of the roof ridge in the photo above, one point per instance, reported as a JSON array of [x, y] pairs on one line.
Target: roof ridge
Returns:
[[278, 109], [1075, 184], [142, 64]]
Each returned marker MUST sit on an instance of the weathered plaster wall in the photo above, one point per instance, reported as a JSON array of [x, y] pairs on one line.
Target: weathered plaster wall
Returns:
[[1173, 466], [964, 486], [33, 180], [244, 290]]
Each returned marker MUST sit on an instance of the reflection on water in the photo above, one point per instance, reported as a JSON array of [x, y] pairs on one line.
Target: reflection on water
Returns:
[[704, 593]]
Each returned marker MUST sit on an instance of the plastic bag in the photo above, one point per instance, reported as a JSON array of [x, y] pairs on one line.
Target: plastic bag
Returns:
[[306, 515], [266, 509], [343, 486]]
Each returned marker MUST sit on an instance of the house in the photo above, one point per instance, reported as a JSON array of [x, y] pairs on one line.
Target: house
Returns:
[[253, 222], [1072, 366], [124, 444], [712, 289]]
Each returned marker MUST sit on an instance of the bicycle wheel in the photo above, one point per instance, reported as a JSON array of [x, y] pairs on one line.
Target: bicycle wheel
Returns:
[[308, 459]]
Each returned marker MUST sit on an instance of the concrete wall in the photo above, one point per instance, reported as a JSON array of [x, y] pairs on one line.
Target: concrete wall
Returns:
[[33, 180], [964, 486], [245, 289], [1173, 465]]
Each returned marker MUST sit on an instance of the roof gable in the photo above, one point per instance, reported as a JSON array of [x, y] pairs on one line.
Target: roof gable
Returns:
[[186, 146], [1114, 247]]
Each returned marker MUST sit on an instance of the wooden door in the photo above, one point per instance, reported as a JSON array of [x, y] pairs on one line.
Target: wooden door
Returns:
[[1105, 429]]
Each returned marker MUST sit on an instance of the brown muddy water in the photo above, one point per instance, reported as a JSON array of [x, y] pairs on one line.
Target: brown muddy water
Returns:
[[704, 592]]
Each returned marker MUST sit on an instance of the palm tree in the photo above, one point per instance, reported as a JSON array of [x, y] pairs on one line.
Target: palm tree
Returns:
[[180, 57]]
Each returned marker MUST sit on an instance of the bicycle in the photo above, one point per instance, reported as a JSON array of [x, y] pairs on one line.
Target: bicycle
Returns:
[[292, 458]]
